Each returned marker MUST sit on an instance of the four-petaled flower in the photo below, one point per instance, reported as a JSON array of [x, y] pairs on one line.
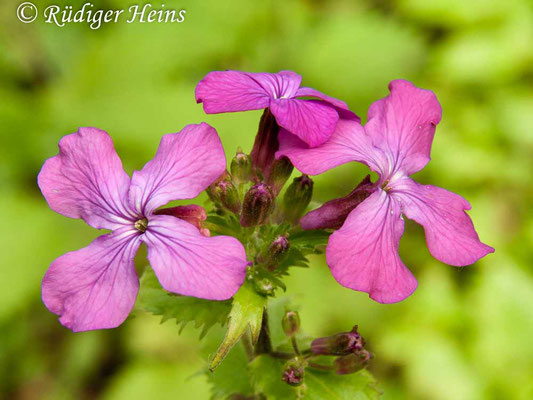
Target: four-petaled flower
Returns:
[[96, 287], [313, 121], [395, 143]]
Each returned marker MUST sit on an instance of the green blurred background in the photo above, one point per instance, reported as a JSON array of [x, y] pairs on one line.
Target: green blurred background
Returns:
[[465, 334]]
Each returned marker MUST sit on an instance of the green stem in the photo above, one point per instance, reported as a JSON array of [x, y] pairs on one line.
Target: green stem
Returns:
[[295, 345]]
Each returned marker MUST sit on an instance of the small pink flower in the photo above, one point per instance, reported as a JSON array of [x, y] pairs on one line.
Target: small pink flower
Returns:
[[313, 121], [395, 143], [96, 287]]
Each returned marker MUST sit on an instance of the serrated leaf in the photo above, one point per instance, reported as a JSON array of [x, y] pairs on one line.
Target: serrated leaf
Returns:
[[204, 313], [246, 313]]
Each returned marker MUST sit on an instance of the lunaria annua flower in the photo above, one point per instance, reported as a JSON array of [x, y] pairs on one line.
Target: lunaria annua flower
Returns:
[[95, 287], [313, 121], [395, 143]]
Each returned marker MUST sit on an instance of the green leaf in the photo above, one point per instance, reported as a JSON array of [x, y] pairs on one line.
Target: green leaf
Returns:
[[327, 385], [205, 313], [246, 313]]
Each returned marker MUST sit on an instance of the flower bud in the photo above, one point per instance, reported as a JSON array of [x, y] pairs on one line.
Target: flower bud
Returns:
[[276, 252], [223, 192], [352, 362], [241, 167], [257, 205], [291, 323], [280, 171], [265, 144], [264, 286], [297, 198], [332, 214], [192, 213], [293, 372], [340, 344]]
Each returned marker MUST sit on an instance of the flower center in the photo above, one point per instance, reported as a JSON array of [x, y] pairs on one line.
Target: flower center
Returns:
[[141, 225], [384, 186]]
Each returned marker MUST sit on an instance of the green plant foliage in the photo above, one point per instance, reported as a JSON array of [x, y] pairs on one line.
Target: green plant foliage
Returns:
[[246, 314], [204, 313]]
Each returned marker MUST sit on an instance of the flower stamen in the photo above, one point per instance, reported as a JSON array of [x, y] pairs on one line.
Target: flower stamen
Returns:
[[141, 225]]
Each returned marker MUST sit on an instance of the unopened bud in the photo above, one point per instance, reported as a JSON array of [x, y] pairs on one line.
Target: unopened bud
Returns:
[[264, 286], [340, 344], [332, 214], [223, 191], [257, 205], [297, 198], [352, 362], [276, 252], [291, 323], [280, 171], [293, 372], [192, 213], [241, 167], [265, 145]]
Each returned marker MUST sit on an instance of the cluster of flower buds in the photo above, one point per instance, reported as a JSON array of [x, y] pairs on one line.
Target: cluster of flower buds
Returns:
[[348, 345]]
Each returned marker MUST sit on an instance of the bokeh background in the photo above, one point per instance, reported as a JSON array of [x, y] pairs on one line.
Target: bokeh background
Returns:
[[466, 333]]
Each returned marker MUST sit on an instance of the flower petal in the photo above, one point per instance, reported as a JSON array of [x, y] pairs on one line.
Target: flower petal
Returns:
[[282, 85], [309, 92], [94, 287], [86, 180], [185, 164], [229, 91], [363, 254], [312, 121], [450, 233], [188, 263], [403, 124], [348, 143]]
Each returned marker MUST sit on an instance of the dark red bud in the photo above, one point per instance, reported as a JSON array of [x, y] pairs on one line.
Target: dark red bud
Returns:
[[257, 205], [331, 215], [192, 213], [352, 362], [265, 145], [340, 344]]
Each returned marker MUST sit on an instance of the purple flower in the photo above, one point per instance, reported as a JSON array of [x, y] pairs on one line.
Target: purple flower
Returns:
[[395, 143], [313, 121], [95, 287]]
